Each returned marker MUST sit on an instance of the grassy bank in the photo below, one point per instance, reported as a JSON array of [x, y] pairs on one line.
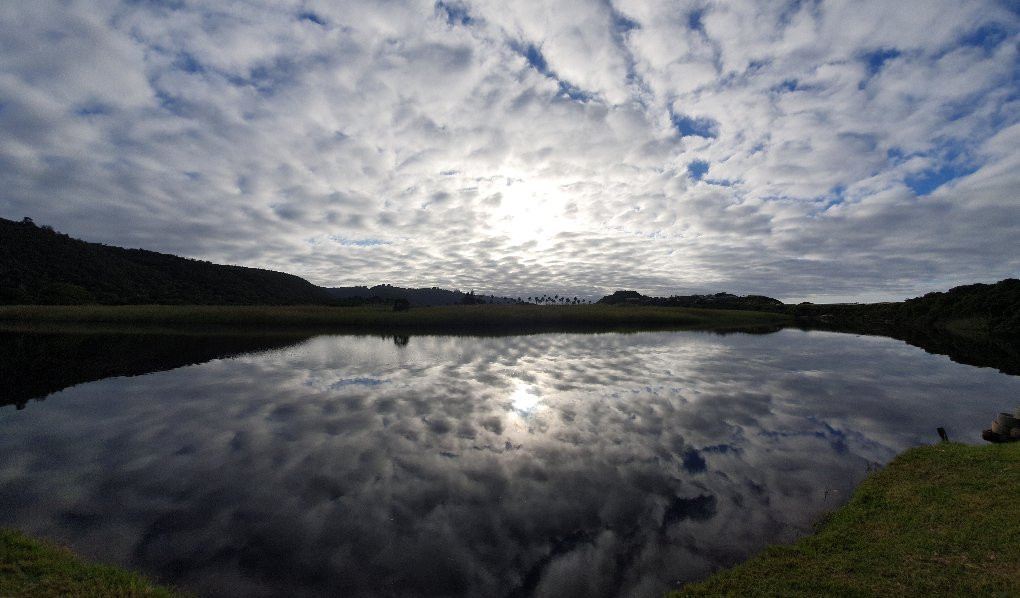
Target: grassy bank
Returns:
[[466, 319], [29, 567], [938, 521]]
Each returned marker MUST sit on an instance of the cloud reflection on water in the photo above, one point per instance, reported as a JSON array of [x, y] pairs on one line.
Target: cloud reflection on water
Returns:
[[543, 465]]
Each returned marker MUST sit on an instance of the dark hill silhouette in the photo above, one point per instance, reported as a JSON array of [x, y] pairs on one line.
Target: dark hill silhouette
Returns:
[[416, 297], [716, 301], [993, 309], [41, 266]]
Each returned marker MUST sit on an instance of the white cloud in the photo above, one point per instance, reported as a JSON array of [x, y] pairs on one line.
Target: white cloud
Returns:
[[242, 132]]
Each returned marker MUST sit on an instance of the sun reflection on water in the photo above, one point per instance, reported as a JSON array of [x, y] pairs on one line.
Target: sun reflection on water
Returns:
[[525, 400]]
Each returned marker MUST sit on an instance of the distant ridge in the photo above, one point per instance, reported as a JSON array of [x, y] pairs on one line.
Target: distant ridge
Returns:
[[416, 297], [716, 301], [41, 266]]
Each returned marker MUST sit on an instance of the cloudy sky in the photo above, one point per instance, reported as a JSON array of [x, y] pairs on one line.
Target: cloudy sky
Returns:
[[804, 150]]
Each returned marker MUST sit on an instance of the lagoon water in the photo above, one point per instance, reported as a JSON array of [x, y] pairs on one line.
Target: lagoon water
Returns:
[[543, 465]]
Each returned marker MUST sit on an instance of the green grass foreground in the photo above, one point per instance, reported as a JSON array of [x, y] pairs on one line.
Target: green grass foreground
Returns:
[[940, 520], [29, 567], [456, 319]]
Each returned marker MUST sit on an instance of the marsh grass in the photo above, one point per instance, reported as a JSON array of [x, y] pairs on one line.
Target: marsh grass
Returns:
[[32, 568], [940, 520], [467, 319]]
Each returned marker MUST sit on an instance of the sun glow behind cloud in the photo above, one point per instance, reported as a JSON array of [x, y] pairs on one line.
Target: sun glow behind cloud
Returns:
[[531, 210], [791, 149]]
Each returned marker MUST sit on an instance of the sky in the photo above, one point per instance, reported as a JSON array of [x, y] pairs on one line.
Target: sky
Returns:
[[805, 150]]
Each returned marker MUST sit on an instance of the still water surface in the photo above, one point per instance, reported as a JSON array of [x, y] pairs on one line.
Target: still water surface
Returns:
[[545, 465]]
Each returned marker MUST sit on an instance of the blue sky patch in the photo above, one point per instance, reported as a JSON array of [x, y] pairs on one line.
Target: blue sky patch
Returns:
[[787, 85], [188, 63], [694, 20], [92, 109], [455, 13], [358, 242], [536, 60], [951, 162], [574, 92], [171, 103], [689, 126], [311, 17], [959, 110], [791, 85], [268, 77], [876, 59], [835, 197], [794, 7], [622, 24], [534, 57], [927, 181], [987, 37], [164, 4], [697, 169]]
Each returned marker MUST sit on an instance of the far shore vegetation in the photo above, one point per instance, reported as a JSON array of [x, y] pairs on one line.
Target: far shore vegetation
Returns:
[[939, 520], [454, 319], [40, 266]]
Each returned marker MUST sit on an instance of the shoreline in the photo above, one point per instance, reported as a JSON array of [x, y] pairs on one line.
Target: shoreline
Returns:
[[39, 568], [938, 520], [455, 319]]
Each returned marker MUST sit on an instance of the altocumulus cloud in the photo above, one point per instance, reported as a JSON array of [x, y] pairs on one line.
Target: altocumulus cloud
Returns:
[[799, 149]]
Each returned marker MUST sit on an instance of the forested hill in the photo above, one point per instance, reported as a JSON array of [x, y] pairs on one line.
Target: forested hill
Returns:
[[990, 308], [716, 301], [424, 296], [41, 266]]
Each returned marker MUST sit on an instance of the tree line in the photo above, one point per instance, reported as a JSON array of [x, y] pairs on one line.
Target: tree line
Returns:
[[41, 266]]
